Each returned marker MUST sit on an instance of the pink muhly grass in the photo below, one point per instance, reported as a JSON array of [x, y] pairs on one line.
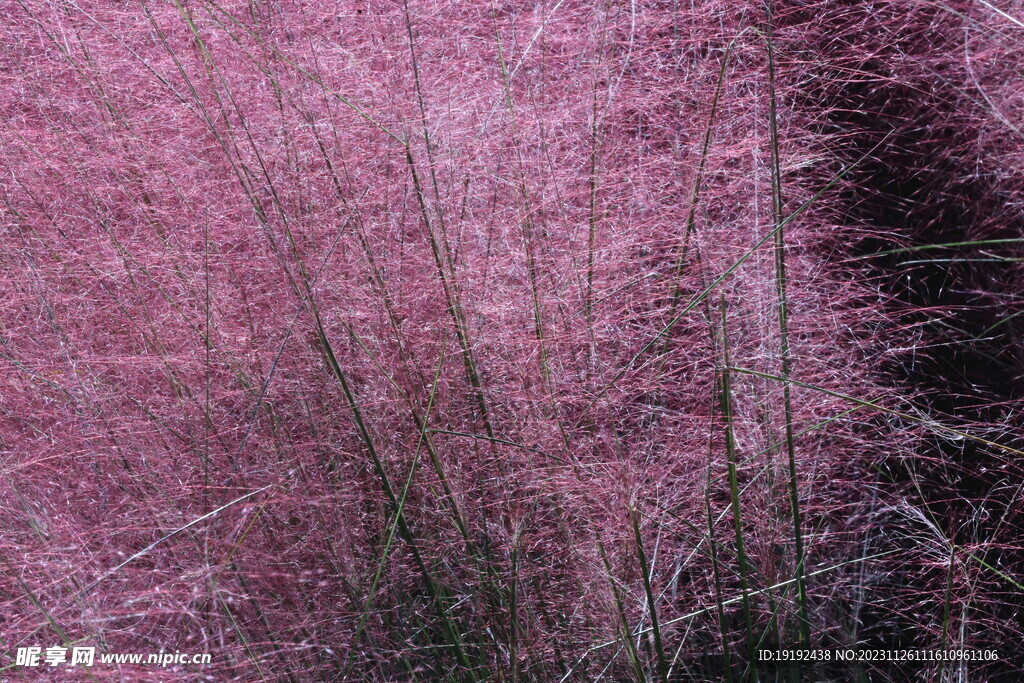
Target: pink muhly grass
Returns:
[[515, 341]]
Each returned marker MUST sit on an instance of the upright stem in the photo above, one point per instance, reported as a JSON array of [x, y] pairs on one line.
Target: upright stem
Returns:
[[780, 283], [734, 491]]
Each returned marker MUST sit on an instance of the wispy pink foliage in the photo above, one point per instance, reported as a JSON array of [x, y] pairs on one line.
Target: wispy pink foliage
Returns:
[[499, 220]]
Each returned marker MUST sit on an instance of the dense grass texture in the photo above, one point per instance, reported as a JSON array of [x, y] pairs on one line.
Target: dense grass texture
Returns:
[[512, 341]]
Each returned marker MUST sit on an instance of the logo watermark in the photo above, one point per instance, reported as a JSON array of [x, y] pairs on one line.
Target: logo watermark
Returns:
[[87, 656]]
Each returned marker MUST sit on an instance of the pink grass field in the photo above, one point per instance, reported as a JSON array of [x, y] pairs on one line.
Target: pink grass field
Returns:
[[512, 341]]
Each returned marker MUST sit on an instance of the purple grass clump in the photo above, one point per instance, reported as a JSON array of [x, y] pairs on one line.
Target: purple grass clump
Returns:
[[512, 341]]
